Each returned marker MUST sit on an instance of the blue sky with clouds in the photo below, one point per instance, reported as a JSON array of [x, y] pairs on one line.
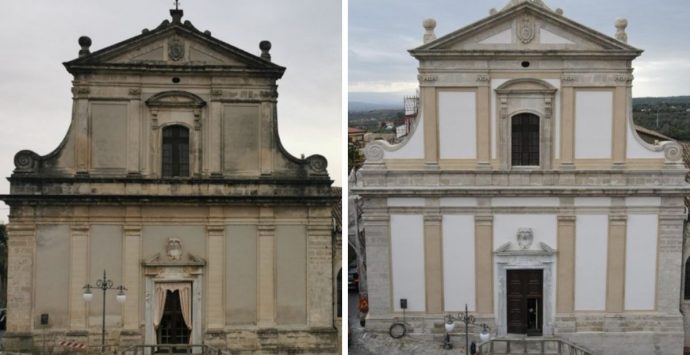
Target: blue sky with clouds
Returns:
[[381, 32]]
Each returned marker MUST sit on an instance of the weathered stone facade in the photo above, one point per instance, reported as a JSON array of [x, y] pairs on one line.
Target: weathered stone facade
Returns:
[[227, 212], [444, 210]]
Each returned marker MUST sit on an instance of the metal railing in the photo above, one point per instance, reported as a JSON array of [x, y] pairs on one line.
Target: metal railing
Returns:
[[173, 349], [532, 346]]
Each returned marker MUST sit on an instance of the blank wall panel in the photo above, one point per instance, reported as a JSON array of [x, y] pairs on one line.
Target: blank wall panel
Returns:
[[591, 245], [457, 117], [640, 262], [407, 254], [593, 124], [458, 262]]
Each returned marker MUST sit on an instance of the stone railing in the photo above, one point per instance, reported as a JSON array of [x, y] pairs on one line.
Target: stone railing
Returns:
[[553, 346]]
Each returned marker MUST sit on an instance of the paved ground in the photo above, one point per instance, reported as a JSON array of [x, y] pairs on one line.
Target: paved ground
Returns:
[[365, 342]]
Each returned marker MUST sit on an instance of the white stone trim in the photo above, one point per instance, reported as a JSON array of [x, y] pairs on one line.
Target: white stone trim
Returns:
[[519, 260]]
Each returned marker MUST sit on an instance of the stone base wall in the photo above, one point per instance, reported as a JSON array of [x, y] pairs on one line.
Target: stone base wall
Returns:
[[604, 334], [238, 341]]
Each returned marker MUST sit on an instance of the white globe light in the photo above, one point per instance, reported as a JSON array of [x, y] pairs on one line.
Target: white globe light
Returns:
[[484, 336], [450, 326], [121, 297], [88, 296]]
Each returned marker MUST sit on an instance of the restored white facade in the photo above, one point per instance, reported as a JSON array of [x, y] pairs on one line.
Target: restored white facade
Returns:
[[460, 207]]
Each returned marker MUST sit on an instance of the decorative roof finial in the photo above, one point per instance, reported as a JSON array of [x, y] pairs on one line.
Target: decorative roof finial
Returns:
[[621, 24], [84, 43], [176, 13], [265, 47], [429, 26]]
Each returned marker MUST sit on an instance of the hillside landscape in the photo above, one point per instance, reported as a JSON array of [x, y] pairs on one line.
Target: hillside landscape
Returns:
[[669, 116]]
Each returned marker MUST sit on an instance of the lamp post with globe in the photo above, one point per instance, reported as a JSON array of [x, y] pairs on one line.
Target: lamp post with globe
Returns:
[[104, 284]]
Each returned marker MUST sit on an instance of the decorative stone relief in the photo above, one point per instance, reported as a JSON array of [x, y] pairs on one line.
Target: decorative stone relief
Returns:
[[526, 29], [483, 77], [175, 49], [373, 153], [135, 91], [525, 237], [427, 77], [174, 249], [26, 161], [626, 78], [568, 78], [317, 163], [216, 92], [673, 152]]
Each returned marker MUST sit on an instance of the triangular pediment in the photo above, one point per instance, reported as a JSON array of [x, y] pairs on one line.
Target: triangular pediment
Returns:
[[525, 27], [173, 44]]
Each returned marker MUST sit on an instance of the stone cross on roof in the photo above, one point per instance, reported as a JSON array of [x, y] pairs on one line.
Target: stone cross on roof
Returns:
[[177, 4]]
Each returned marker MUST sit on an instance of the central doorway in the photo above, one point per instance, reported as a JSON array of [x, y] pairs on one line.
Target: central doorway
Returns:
[[525, 304], [173, 328]]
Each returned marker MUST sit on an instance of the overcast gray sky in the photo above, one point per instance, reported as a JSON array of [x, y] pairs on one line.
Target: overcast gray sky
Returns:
[[381, 32], [37, 36]]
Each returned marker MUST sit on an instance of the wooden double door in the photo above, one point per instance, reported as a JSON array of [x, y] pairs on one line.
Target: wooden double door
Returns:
[[525, 301]]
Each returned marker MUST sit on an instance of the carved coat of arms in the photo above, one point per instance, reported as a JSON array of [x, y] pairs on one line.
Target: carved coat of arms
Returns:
[[174, 249], [175, 49], [526, 29], [525, 236]]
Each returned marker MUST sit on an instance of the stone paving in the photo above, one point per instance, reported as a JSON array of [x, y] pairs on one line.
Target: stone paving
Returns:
[[364, 342]]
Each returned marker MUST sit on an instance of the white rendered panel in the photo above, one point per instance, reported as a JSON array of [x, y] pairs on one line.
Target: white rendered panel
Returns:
[[592, 201], [407, 254], [643, 201], [593, 124], [525, 201], [505, 37], [495, 83], [591, 244], [640, 262], [457, 115], [547, 37], [458, 263], [458, 202], [413, 147], [544, 228], [406, 202]]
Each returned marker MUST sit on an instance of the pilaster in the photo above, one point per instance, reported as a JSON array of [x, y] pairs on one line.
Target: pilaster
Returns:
[[565, 281], [484, 263], [615, 280], [266, 112], [133, 132], [567, 127], [376, 223], [483, 127], [431, 150], [433, 263], [132, 275], [266, 306], [319, 269], [79, 247], [670, 255], [215, 312], [21, 240], [619, 126]]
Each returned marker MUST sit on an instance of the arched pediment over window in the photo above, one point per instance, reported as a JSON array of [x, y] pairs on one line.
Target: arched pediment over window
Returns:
[[525, 86], [175, 99]]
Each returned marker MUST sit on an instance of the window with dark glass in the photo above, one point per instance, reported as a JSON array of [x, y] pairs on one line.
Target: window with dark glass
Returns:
[[175, 151], [525, 140]]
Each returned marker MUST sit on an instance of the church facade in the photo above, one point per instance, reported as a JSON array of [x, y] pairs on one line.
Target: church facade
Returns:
[[524, 193], [173, 180]]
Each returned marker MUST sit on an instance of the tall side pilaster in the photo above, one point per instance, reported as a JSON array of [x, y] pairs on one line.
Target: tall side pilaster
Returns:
[[21, 240], [615, 289], [319, 268], [431, 150], [670, 255], [376, 225]]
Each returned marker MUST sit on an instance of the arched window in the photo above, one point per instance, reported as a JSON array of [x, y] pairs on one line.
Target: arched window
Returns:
[[175, 151], [687, 279], [525, 140]]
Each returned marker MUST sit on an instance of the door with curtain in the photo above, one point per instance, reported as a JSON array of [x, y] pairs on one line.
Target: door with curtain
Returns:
[[173, 305]]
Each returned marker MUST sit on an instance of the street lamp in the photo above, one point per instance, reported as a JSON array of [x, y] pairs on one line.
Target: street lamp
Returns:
[[104, 284]]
